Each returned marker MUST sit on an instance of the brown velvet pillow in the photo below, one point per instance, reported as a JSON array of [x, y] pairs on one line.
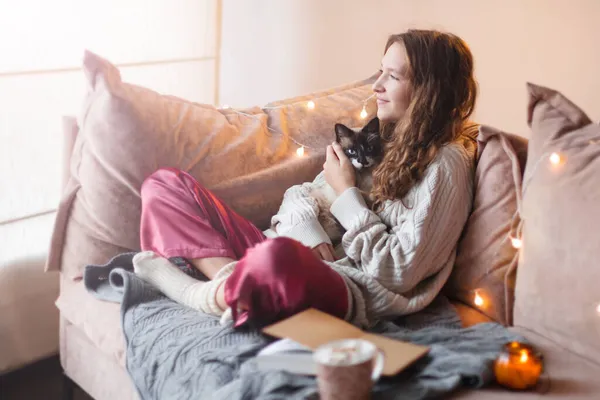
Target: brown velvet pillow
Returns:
[[486, 259], [126, 132], [558, 281]]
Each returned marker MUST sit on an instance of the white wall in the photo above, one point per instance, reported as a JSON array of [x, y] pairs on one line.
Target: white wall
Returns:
[[166, 45], [169, 46], [273, 49]]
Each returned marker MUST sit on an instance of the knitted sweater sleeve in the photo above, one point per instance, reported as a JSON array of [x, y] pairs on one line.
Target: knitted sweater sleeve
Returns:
[[421, 235], [297, 217]]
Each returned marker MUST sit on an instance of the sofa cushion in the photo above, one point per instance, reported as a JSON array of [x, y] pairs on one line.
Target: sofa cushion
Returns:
[[126, 132], [486, 259], [102, 376], [567, 374], [557, 282], [99, 320]]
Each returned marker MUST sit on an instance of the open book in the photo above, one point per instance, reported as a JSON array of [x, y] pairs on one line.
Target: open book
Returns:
[[302, 333], [287, 355]]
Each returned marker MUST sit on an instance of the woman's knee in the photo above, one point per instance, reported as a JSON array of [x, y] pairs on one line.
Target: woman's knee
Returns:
[[161, 189], [278, 256], [291, 279]]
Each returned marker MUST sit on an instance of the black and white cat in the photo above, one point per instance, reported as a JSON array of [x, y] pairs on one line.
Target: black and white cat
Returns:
[[364, 149]]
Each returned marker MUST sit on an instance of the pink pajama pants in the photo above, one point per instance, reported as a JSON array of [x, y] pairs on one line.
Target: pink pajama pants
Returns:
[[274, 278]]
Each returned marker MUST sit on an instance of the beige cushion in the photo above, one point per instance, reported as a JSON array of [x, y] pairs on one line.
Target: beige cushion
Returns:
[[486, 260], [557, 292], [99, 374], [99, 320], [126, 132]]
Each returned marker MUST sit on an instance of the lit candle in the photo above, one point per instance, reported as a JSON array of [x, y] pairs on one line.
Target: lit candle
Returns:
[[518, 366]]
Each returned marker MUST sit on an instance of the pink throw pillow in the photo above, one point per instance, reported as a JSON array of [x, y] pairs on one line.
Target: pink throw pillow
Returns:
[[557, 292], [485, 268]]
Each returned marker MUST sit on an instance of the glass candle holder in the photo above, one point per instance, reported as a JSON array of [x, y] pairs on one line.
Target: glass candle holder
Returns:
[[518, 366]]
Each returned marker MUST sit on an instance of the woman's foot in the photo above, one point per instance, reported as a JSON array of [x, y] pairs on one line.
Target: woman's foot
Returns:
[[207, 297]]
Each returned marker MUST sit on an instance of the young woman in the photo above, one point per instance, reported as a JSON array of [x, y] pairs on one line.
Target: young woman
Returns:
[[399, 254]]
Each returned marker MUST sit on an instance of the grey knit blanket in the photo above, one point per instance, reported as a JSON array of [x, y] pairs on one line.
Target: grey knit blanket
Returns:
[[175, 352]]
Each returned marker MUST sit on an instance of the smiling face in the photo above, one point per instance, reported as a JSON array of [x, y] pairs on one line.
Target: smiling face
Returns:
[[392, 87]]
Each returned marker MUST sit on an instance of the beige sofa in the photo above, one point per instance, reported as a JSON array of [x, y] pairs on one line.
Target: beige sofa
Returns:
[[547, 291]]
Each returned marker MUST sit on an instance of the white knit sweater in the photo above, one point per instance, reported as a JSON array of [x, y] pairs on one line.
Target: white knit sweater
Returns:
[[399, 259]]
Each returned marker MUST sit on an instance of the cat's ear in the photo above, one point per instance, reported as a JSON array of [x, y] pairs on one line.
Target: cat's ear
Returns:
[[372, 126], [342, 131]]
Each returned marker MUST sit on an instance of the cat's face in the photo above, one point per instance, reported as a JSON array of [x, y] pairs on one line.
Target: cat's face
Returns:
[[362, 146]]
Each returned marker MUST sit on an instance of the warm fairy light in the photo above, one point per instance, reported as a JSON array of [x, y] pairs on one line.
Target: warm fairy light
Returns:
[[555, 158], [310, 104], [478, 300], [598, 309], [363, 113], [516, 242]]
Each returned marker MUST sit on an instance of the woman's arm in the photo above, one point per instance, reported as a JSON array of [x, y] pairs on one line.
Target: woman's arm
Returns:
[[297, 217], [421, 239]]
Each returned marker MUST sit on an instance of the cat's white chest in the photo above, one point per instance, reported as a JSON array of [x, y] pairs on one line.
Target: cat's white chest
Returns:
[[328, 195]]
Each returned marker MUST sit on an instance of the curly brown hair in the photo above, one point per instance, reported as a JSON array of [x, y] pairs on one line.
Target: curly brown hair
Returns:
[[443, 94]]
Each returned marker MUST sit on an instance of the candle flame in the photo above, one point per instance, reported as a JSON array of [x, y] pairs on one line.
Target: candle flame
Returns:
[[524, 356], [310, 105]]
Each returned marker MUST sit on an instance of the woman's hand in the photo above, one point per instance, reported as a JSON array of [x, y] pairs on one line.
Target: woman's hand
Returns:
[[339, 172], [324, 251]]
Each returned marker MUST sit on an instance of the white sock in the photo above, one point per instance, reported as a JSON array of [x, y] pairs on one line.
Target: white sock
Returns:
[[182, 288]]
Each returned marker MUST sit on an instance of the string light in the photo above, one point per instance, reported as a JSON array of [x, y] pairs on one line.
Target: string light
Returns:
[[301, 150], [555, 158], [516, 242], [598, 309], [363, 112], [478, 300]]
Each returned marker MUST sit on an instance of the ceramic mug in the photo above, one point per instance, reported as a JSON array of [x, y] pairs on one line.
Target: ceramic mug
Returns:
[[347, 369]]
